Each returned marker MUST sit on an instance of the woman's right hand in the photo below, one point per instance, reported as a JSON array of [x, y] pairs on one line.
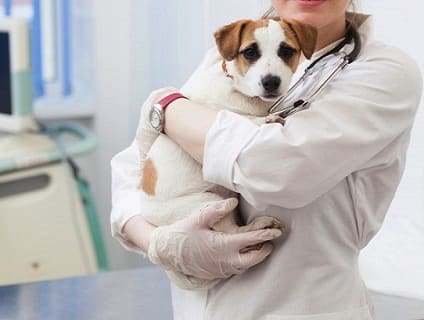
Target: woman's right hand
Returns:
[[191, 246]]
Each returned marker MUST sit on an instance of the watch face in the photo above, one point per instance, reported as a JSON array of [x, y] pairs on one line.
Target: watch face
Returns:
[[155, 118]]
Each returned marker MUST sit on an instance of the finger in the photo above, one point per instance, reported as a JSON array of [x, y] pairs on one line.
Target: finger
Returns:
[[146, 134], [154, 97], [145, 137], [253, 247], [251, 258], [244, 239], [223, 192], [215, 211]]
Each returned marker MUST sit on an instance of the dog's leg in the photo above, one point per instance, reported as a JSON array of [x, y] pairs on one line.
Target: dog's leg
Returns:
[[229, 225], [274, 119], [260, 223], [267, 120]]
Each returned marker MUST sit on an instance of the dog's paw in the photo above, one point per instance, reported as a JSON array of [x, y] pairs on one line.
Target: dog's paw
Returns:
[[254, 247], [260, 223], [274, 119]]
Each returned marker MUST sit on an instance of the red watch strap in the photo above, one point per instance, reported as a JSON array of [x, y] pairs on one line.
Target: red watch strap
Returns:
[[164, 102]]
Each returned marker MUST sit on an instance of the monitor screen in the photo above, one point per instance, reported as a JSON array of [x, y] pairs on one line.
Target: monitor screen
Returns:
[[5, 75]]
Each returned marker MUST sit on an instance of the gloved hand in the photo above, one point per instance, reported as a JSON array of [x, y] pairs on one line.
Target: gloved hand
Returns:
[[190, 245], [146, 134]]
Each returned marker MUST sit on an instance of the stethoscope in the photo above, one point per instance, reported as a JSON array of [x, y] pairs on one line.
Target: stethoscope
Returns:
[[285, 106]]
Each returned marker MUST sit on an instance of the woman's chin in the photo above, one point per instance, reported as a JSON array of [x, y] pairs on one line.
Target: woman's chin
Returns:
[[312, 18]]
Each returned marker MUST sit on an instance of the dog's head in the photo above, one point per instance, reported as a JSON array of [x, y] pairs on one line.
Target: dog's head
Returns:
[[262, 55]]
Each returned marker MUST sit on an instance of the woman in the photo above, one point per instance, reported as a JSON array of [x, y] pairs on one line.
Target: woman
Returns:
[[330, 175]]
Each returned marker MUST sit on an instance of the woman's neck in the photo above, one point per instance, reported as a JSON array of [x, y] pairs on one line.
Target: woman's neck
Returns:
[[330, 33]]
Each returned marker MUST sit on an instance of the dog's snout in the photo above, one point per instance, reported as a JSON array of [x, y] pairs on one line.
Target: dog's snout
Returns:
[[271, 83]]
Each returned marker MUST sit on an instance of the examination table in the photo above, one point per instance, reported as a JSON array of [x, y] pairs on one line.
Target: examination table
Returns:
[[133, 294]]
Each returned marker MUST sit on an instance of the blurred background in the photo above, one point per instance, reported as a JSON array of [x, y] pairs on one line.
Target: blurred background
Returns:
[[94, 62]]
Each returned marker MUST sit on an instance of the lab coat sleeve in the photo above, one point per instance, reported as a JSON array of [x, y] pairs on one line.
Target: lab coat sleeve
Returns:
[[361, 112], [126, 199]]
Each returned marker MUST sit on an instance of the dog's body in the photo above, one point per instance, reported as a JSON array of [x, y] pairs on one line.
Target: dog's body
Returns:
[[173, 164], [172, 180]]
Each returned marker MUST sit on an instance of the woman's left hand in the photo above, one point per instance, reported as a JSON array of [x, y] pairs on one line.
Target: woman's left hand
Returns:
[[191, 245], [146, 134]]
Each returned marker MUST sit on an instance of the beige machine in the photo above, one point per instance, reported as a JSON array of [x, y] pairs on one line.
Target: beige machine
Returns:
[[48, 222], [45, 232]]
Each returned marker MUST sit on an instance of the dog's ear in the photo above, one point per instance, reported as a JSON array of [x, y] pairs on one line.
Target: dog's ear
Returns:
[[306, 36], [228, 39]]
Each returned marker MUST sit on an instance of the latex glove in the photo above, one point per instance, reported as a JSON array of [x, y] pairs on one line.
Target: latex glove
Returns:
[[146, 134], [190, 245]]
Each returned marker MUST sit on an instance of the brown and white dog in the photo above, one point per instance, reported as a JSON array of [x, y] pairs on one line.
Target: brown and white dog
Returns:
[[252, 67]]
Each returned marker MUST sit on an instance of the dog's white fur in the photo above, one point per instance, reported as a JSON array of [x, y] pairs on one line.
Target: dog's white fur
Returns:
[[180, 189]]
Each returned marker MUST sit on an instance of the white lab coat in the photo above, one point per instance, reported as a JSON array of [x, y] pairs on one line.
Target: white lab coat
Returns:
[[329, 174]]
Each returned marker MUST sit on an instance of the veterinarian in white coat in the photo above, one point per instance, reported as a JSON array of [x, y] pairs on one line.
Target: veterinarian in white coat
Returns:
[[329, 175]]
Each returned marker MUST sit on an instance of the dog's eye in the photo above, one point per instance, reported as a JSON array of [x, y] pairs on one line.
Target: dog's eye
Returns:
[[285, 52], [251, 53]]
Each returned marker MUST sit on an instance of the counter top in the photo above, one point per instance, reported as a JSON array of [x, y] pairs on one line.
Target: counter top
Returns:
[[131, 294], [120, 295]]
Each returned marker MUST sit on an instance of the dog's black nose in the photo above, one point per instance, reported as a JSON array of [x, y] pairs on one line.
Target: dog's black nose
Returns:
[[271, 83]]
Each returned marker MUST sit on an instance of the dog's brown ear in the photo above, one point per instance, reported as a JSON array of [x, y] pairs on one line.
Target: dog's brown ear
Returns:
[[228, 39], [306, 36]]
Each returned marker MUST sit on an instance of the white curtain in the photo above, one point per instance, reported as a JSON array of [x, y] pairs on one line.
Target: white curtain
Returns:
[[171, 38]]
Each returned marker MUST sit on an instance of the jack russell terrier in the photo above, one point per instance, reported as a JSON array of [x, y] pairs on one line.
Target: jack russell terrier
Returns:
[[254, 67]]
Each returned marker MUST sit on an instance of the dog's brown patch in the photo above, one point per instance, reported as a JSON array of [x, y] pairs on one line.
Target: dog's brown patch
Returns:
[[228, 39], [293, 62], [234, 37], [304, 36], [291, 41], [149, 178], [246, 39]]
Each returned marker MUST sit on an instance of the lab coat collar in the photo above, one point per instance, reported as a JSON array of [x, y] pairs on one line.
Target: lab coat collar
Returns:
[[365, 31], [365, 28]]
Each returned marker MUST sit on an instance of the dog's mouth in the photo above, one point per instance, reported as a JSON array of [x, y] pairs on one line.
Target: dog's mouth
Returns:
[[270, 97]]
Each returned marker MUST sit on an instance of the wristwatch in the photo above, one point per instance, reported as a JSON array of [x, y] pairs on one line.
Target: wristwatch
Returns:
[[156, 115]]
